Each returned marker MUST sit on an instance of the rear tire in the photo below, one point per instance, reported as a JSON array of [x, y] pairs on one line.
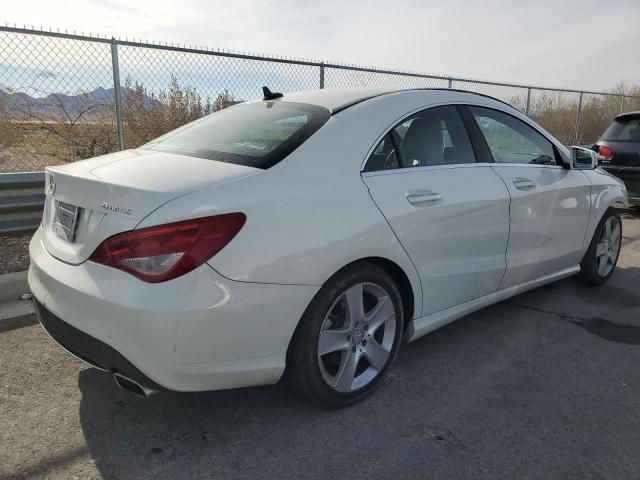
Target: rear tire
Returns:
[[347, 338], [601, 258]]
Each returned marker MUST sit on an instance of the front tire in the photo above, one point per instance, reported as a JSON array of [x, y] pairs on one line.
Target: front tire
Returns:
[[601, 258], [348, 336]]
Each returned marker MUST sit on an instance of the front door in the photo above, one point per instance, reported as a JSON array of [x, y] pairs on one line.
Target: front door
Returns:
[[549, 203]]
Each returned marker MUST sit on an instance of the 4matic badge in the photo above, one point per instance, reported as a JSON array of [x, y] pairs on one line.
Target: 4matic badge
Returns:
[[114, 208]]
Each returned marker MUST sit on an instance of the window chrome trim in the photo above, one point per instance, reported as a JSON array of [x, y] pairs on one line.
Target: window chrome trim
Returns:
[[527, 165], [428, 168], [393, 171]]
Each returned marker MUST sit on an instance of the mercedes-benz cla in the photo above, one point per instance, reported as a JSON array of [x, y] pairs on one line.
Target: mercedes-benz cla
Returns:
[[308, 235]]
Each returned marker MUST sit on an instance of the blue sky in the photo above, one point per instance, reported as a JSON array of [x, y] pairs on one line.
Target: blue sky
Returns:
[[574, 44]]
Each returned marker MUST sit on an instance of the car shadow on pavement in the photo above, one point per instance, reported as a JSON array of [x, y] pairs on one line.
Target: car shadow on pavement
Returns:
[[457, 402], [543, 385]]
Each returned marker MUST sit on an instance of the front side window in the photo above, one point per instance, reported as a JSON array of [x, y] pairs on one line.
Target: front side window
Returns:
[[435, 136], [257, 134], [625, 129], [511, 140]]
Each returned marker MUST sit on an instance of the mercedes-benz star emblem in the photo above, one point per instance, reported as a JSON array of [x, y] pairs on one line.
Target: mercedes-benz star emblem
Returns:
[[52, 185]]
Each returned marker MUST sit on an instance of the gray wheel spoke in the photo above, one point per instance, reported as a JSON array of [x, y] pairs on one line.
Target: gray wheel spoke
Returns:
[[355, 303], [615, 235], [607, 226], [376, 354], [332, 341], [614, 250], [347, 371], [601, 249], [380, 313], [603, 263]]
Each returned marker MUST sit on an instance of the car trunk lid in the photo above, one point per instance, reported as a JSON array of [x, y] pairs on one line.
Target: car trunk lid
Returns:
[[88, 201]]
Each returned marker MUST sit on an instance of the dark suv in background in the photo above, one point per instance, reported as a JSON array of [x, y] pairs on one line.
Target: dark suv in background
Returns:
[[619, 147]]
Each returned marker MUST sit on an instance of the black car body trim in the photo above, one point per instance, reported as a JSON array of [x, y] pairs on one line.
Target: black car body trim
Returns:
[[89, 349]]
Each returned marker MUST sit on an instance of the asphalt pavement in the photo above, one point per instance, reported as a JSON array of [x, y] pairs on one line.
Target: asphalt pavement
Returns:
[[545, 385]]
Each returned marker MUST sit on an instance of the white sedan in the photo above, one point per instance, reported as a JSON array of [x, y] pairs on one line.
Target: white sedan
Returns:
[[308, 235]]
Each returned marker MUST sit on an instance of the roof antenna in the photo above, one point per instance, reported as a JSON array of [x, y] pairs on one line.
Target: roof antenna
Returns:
[[269, 95]]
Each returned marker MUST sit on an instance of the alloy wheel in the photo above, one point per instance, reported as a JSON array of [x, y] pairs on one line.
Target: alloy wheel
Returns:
[[608, 247], [356, 337]]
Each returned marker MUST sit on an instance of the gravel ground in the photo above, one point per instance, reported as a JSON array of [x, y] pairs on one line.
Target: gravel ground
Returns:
[[542, 386], [14, 252]]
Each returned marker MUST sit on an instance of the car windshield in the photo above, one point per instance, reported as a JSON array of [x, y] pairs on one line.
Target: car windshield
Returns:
[[256, 134], [625, 129]]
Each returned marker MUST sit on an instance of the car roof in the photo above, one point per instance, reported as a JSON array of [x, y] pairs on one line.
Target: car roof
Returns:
[[337, 99], [628, 114]]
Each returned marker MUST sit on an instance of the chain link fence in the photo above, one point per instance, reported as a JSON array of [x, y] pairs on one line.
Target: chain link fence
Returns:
[[66, 97]]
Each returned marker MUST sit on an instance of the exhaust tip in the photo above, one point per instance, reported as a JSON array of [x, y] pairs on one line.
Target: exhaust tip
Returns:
[[131, 386]]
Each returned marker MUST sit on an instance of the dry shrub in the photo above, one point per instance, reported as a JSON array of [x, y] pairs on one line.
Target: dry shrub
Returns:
[[9, 133], [148, 114], [556, 112], [66, 132]]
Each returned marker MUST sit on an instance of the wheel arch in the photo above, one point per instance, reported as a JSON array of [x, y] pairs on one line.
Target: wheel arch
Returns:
[[399, 276], [402, 281], [605, 194]]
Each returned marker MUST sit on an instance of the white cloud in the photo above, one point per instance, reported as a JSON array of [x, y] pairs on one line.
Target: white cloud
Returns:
[[577, 44]]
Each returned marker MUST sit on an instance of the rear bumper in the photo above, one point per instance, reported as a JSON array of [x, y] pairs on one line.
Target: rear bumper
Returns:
[[197, 332], [88, 349]]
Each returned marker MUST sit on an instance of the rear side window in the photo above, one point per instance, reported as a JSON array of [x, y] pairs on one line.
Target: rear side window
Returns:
[[257, 134], [435, 136], [511, 140], [625, 129]]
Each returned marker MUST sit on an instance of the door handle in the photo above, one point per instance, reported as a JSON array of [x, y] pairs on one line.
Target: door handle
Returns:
[[524, 183], [423, 198]]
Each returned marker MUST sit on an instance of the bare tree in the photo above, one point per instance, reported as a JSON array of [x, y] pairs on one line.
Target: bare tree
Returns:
[[67, 132], [148, 114], [224, 100]]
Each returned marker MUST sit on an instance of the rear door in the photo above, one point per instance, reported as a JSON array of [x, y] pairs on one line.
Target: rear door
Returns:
[[549, 203], [450, 213]]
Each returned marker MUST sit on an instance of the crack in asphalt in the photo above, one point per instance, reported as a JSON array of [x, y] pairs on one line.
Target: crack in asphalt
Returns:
[[564, 316], [600, 327]]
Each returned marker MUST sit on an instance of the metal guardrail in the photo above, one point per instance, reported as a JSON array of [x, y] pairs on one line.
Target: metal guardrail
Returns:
[[21, 201]]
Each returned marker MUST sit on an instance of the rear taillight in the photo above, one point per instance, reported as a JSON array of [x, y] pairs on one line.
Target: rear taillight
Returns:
[[160, 253], [605, 152]]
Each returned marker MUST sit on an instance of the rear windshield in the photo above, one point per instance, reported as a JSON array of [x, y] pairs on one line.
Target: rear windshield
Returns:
[[256, 134], [625, 129]]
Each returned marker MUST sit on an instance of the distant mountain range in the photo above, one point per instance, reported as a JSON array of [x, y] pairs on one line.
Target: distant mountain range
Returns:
[[94, 103]]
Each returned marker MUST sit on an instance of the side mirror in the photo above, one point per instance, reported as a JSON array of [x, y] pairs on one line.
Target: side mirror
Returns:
[[583, 158]]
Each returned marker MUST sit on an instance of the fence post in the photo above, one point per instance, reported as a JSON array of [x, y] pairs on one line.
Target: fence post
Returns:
[[117, 93], [450, 83], [528, 107], [575, 135], [622, 104], [321, 74]]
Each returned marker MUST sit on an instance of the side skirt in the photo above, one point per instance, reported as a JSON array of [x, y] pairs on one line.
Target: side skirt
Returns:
[[423, 325]]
